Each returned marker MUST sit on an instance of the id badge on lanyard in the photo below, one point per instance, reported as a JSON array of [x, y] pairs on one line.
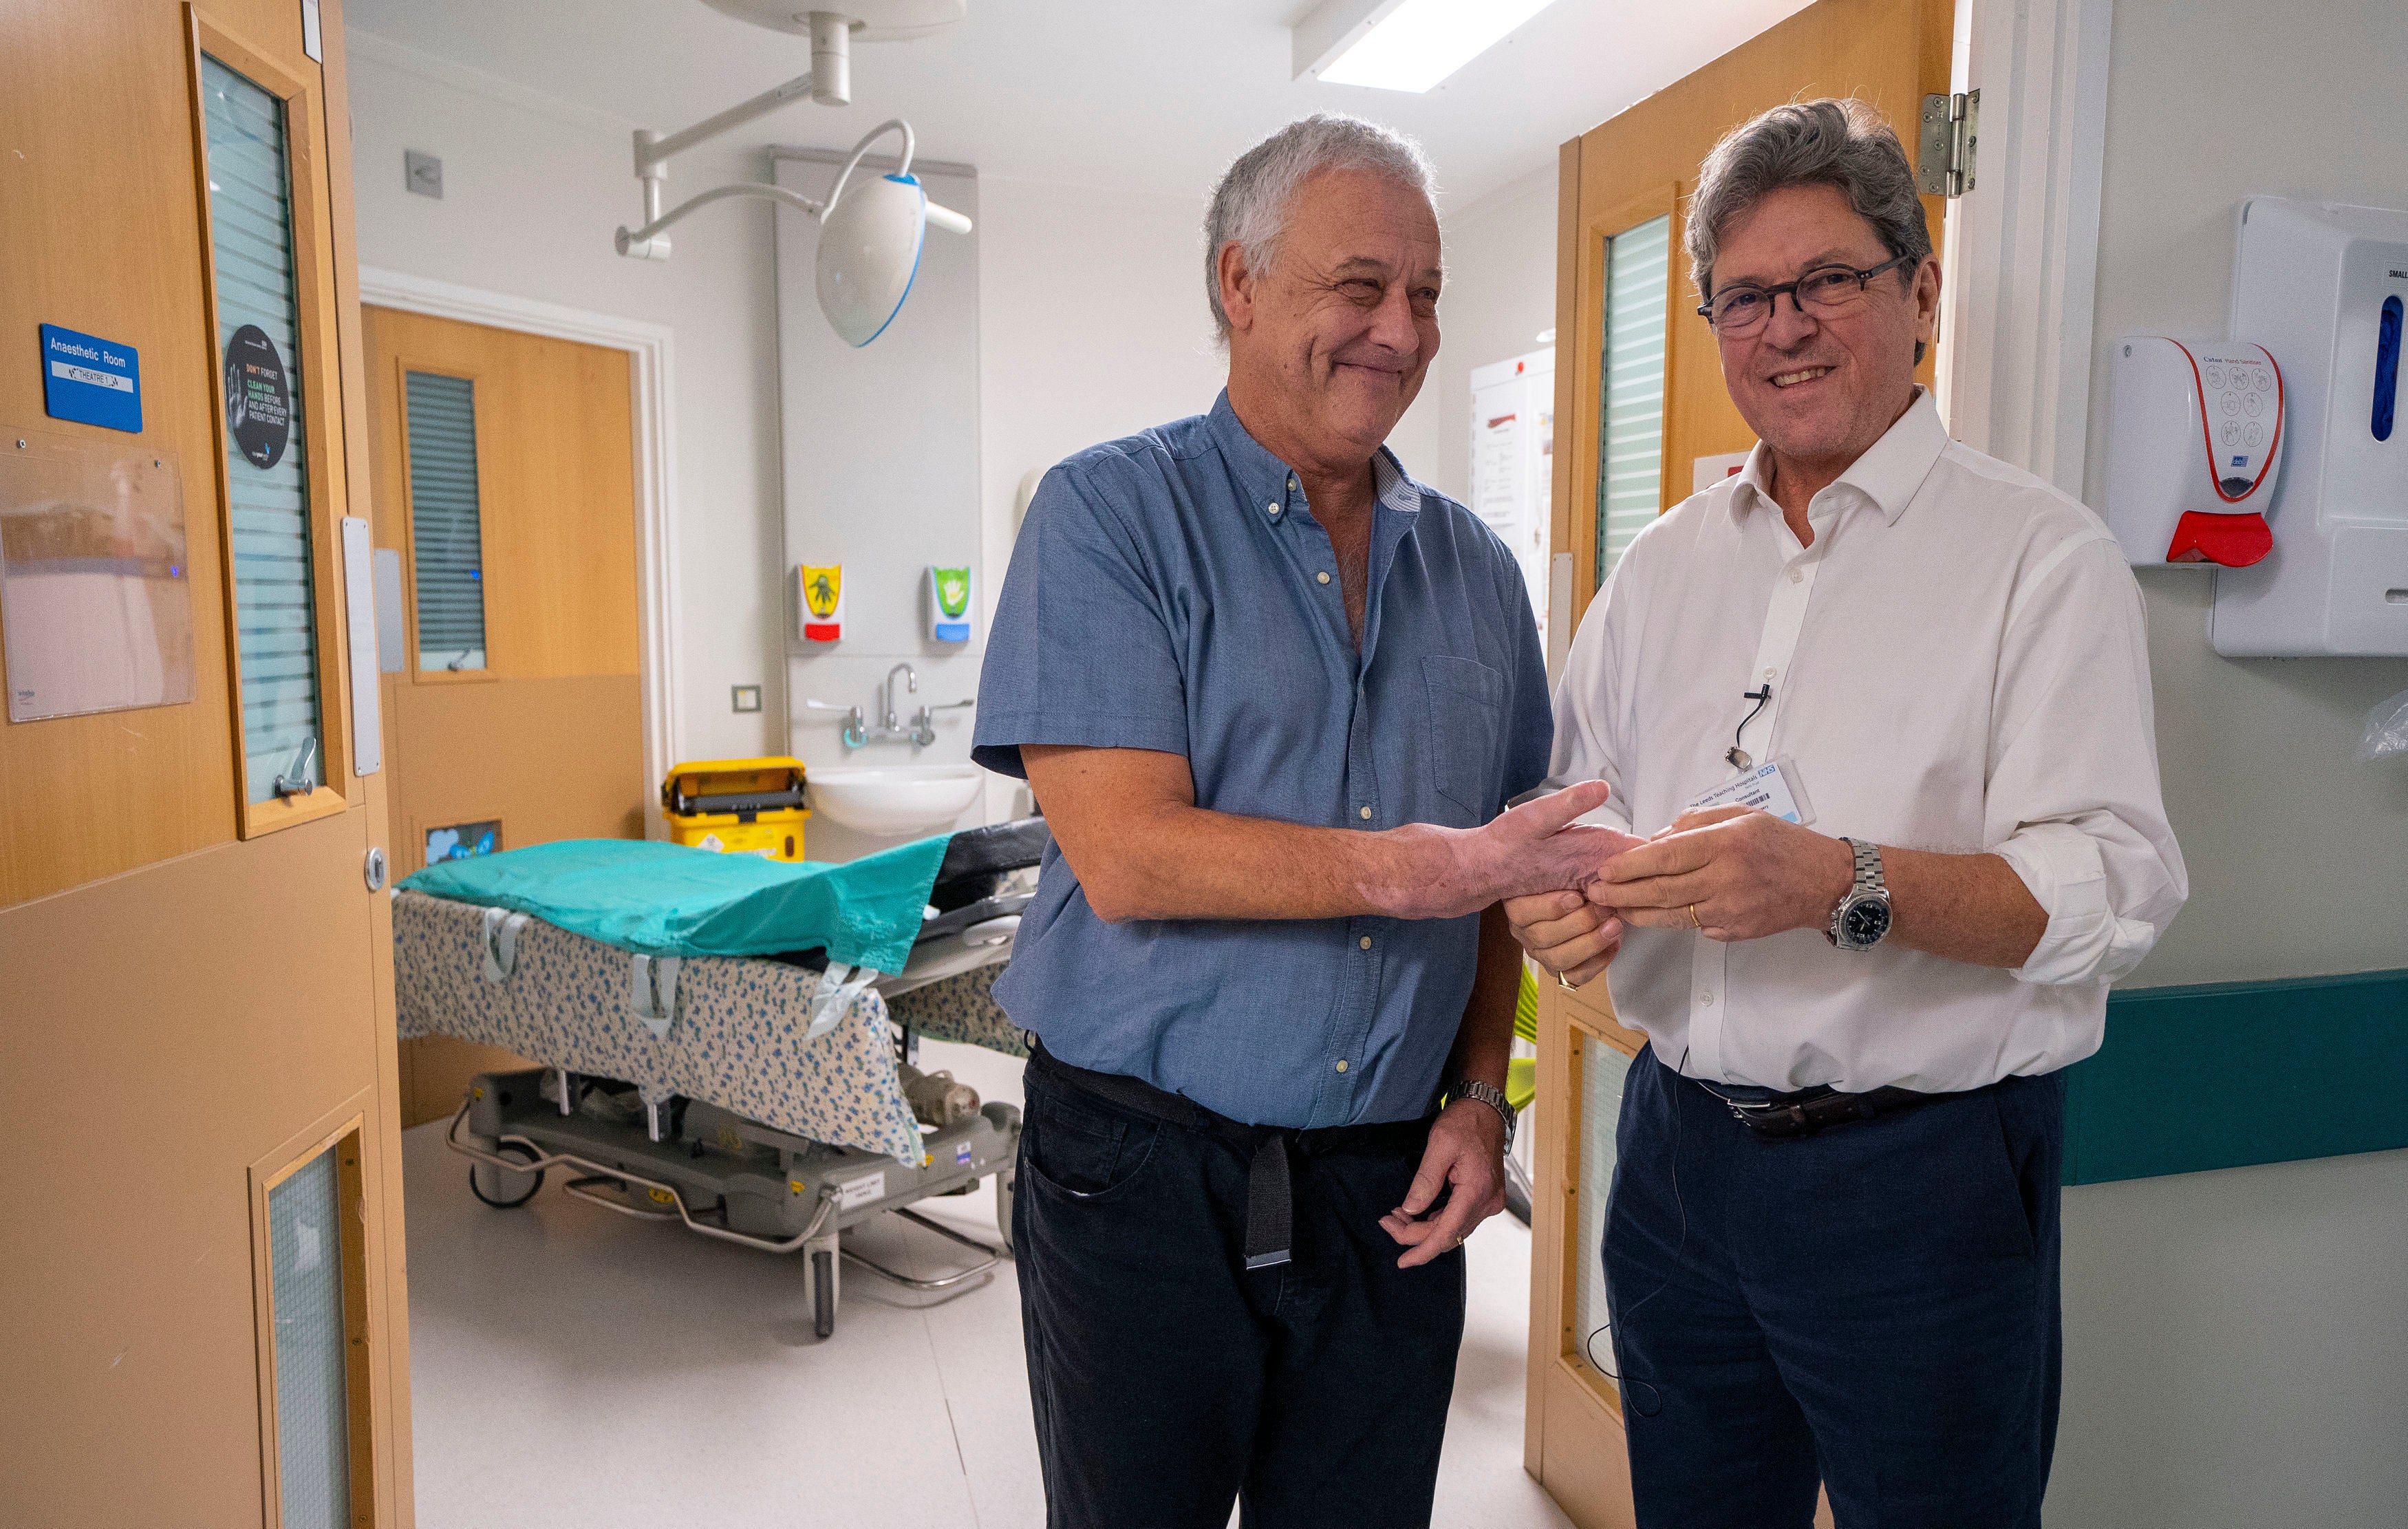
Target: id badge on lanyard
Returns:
[[1772, 787]]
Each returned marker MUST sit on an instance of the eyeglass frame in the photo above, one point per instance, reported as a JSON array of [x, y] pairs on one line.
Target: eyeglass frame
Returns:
[[1772, 294]]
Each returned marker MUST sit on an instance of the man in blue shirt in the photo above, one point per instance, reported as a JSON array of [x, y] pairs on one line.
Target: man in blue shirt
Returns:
[[1272, 694]]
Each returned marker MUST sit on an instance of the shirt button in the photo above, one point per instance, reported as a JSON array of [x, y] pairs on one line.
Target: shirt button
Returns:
[[1364, 812], [1323, 577], [1365, 941], [1705, 1001], [1291, 486], [1796, 575], [1770, 672], [1342, 1064], [1272, 508]]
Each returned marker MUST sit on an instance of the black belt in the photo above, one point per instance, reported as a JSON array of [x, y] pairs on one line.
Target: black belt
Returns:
[[1269, 1196], [1808, 1111]]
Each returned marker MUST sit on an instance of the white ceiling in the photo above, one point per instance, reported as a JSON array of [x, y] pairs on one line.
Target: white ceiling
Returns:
[[1129, 95]]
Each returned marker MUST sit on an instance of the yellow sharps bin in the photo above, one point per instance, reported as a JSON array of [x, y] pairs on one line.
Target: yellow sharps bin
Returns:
[[738, 806]]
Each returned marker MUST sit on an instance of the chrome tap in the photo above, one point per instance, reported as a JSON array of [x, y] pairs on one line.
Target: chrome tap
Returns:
[[920, 731]]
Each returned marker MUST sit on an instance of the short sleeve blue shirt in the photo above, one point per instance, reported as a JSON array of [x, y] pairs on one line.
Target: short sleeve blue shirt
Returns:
[[1172, 591]]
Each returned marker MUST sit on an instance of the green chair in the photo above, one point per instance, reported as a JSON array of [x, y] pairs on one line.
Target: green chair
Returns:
[[1520, 1087]]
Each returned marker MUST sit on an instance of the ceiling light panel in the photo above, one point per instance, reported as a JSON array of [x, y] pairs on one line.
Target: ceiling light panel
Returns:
[[1401, 45]]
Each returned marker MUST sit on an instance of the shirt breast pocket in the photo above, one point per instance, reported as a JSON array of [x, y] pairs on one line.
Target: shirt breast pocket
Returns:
[[1466, 709]]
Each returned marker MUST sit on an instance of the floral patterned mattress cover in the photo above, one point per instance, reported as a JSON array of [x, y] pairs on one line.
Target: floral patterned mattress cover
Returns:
[[735, 1033]]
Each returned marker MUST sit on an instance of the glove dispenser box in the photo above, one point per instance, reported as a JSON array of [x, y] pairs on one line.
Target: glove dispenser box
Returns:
[[2322, 287], [2195, 441]]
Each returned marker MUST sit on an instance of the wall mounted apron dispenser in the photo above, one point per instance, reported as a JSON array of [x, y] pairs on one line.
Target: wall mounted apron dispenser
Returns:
[[2322, 287]]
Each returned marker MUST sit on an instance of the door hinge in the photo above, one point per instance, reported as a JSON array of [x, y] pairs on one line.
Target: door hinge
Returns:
[[1951, 125]]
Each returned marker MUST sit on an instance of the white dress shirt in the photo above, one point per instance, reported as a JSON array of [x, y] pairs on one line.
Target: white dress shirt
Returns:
[[1958, 663]]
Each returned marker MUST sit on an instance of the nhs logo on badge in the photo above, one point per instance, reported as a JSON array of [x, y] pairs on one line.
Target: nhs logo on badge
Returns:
[[2241, 461], [90, 381]]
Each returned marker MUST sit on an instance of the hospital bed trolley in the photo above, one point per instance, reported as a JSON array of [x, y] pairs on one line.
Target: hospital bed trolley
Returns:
[[751, 1099]]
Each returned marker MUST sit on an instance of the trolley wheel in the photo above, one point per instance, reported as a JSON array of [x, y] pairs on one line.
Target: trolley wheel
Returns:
[[502, 1178], [1517, 1193], [824, 1292]]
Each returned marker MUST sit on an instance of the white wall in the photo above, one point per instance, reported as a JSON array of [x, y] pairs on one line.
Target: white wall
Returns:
[[882, 476], [1500, 294], [532, 190], [2237, 1342], [1093, 326]]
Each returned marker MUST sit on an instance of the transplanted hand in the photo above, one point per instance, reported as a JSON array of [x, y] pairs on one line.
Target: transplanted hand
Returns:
[[1533, 847], [1745, 873]]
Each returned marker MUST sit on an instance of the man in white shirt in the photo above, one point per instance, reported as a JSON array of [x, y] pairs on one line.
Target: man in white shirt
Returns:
[[1883, 704]]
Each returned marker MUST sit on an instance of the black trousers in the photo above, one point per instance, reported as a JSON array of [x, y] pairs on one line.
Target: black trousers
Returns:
[[1874, 1307], [1168, 1381]]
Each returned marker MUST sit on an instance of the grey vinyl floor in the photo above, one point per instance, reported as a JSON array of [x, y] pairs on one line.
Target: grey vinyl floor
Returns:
[[571, 1369]]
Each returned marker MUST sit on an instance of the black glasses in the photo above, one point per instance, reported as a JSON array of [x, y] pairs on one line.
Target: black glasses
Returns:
[[1825, 290]]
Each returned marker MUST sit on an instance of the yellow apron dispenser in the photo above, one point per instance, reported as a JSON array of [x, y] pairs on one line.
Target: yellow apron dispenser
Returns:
[[738, 806]]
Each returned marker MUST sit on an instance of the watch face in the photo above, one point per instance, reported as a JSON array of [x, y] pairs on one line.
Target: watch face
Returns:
[[1863, 922]]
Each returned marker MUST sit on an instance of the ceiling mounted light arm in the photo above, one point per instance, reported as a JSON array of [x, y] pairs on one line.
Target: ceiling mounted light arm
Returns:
[[641, 242], [829, 83], [893, 124], [943, 217]]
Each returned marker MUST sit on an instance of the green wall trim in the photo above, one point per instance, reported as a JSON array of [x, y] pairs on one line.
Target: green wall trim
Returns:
[[2235, 1073]]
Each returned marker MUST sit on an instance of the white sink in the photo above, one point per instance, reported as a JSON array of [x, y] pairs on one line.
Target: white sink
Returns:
[[893, 800]]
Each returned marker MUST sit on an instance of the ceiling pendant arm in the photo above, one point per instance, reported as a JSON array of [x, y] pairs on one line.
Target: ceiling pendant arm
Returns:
[[892, 125], [655, 149], [628, 239], [829, 82]]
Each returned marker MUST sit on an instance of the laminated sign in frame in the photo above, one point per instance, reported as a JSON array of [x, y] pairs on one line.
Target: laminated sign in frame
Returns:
[[90, 381]]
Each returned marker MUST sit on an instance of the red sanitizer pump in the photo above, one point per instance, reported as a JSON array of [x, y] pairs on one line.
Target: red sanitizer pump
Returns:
[[2195, 436]]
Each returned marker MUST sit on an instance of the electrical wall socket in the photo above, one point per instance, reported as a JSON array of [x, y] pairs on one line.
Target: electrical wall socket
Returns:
[[745, 697], [422, 173]]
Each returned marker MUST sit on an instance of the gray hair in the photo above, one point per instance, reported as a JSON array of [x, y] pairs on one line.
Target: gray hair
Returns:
[[1250, 207], [1830, 143]]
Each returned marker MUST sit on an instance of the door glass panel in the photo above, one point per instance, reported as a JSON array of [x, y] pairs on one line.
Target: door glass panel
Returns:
[[1603, 1071], [1630, 450], [446, 535], [267, 483], [312, 1376]]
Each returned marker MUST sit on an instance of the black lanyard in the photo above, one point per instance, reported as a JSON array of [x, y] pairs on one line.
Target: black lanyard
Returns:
[[1738, 755]]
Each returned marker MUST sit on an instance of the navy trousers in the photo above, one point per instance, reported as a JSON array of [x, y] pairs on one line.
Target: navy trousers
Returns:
[[1169, 1380], [1874, 1308]]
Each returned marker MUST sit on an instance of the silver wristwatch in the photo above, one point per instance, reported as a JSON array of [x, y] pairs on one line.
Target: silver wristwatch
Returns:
[[1862, 919], [1472, 1088]]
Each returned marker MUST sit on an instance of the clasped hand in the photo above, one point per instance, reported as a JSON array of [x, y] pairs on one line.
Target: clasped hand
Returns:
[[1729, 872]]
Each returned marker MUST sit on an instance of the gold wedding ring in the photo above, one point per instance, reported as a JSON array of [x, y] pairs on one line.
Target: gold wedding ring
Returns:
[[1565, 983], [1693, 918]]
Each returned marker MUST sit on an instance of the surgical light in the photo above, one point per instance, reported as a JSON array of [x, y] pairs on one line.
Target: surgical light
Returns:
[[1401, 45], [870, 236]]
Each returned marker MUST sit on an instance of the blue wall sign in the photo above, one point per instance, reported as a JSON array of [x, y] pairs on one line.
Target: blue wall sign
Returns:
[[91, 380]]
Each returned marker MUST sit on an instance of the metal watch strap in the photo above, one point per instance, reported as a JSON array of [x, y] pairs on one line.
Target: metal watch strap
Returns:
[[1869, 866], [1472, 1088], [1866, 880]]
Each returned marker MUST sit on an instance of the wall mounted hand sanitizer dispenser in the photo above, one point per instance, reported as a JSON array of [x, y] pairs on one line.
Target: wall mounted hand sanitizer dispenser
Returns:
[[819, 602], [2195, 436], [2322, 287], [949, 604]]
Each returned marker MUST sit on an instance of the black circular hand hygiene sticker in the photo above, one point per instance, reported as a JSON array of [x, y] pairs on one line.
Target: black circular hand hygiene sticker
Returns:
[[259, 405]]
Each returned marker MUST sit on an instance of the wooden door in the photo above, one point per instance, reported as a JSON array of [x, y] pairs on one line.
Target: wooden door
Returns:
[[1617, 179], [504, 467], [201, 1298]]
